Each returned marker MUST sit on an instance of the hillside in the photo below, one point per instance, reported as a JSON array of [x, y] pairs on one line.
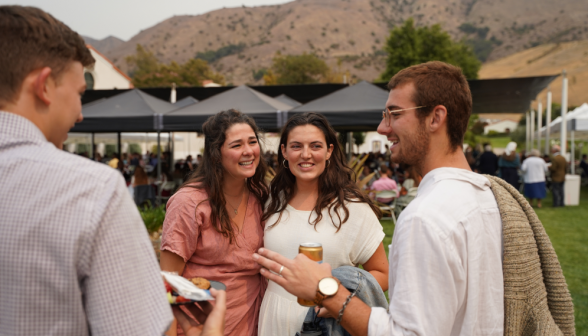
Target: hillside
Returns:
[[548, 59], [105, 45], [349, 34]]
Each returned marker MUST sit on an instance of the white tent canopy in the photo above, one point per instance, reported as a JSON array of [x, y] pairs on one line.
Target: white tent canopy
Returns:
[[577, 121]]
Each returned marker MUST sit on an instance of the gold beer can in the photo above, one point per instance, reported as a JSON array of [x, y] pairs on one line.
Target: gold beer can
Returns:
[[314, 251]]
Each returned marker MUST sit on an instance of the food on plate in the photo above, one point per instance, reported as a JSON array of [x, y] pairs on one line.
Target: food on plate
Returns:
[[171, 298], [181, 299], [201, 283], [177, 284]]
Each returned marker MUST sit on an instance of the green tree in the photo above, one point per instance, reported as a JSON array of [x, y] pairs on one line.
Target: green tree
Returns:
[[358, 139], [470, 137], [409, 45], [146, 71], [296, 69], [144, 67]]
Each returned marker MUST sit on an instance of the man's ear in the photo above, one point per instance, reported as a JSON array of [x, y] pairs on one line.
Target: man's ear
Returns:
[[438, 118], [41, 85]]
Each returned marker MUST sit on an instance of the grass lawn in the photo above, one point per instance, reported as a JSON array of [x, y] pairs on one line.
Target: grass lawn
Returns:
[[568, 230]]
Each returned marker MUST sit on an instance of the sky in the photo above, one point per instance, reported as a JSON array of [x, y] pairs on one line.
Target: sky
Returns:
[[125, 18]]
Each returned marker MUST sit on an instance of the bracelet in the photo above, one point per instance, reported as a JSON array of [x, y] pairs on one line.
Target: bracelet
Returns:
[[344, 306]]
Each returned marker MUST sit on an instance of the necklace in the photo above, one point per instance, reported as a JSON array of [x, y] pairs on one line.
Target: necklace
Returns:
[[236, 210]]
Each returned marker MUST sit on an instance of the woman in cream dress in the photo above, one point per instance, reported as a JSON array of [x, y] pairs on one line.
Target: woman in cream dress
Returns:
[[314, 199]]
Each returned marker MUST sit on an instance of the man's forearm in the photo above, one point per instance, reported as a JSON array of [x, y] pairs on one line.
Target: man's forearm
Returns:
[[356, 315]]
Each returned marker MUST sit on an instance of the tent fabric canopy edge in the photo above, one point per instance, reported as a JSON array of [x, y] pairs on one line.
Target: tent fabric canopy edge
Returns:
[[512, 95]]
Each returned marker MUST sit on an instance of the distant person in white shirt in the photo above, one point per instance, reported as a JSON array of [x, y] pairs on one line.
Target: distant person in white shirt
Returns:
[[75, 257], [534, 169], [446, 253]]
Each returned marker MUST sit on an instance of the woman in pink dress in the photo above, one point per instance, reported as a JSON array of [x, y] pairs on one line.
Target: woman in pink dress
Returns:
[[213, 222]]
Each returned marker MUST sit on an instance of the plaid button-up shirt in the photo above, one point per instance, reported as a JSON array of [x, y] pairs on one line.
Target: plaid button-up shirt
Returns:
[[75, 258]]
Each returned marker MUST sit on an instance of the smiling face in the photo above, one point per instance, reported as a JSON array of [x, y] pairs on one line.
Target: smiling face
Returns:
[[409, 139], [306, 151], [65, 109], [240, 151]]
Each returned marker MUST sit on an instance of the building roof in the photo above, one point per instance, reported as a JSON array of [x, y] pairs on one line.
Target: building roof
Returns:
[[114, 66]]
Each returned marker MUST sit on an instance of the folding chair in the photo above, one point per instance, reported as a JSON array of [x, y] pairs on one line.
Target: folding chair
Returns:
[[403, 201], [387, 208]]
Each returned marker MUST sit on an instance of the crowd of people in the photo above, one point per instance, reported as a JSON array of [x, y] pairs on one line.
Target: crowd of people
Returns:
[[532, 173], [532, 178], [75, 257]]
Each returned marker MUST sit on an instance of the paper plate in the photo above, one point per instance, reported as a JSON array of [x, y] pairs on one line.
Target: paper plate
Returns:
[[213, 284]]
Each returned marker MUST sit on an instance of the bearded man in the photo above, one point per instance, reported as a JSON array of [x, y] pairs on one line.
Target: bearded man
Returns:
[[446, 255]]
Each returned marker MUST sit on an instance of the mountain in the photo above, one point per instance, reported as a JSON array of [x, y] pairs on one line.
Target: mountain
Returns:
[[350, 34], [105, 45], [548, 59]]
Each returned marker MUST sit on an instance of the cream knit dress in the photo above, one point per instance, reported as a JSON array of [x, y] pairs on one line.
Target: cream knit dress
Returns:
[[353, 245]]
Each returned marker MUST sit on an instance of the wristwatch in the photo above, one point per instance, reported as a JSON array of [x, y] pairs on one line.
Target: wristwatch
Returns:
[[326, 288]]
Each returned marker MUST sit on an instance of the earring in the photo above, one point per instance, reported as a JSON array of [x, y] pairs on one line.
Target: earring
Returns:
[[284, 163], [328, 163]]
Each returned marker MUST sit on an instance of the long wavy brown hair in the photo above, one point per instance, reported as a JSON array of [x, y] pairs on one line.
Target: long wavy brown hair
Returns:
[[336, 183], [210, 172]]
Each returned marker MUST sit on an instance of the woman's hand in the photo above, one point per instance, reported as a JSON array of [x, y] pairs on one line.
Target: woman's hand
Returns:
[[299, 276], [211, 318]]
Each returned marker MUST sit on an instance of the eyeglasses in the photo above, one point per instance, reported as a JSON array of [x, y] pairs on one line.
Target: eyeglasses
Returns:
[[387, 114]]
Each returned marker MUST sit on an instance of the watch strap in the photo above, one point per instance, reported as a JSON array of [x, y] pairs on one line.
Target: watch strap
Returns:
[[320, 297]]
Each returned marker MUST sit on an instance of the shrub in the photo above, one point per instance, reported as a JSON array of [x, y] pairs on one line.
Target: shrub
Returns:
[[135, 148], [153, 217], [212, 56]]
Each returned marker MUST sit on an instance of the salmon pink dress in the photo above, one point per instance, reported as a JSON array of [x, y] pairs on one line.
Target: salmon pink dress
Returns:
[[188, 232]]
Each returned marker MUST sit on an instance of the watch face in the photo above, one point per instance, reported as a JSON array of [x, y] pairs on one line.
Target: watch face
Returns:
[[328, 286]]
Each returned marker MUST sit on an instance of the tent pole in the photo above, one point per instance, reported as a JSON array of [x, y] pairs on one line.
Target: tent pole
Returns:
[[564, 111], [528, 120], [93, 150], [171, 152], [119, 145], [548, 124], [539, 120], [573, 147], [532, 129], [159, 166], [350, 145]]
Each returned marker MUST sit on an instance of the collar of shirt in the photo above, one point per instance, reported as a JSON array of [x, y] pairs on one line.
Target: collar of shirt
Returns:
[[446, 173], [13, 126]]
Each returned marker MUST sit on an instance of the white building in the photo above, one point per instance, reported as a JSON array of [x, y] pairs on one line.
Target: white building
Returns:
[[502, 126], [105, 75], [374, 142]]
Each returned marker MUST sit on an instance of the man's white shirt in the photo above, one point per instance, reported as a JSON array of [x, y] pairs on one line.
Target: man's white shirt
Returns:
[[446, 261]]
